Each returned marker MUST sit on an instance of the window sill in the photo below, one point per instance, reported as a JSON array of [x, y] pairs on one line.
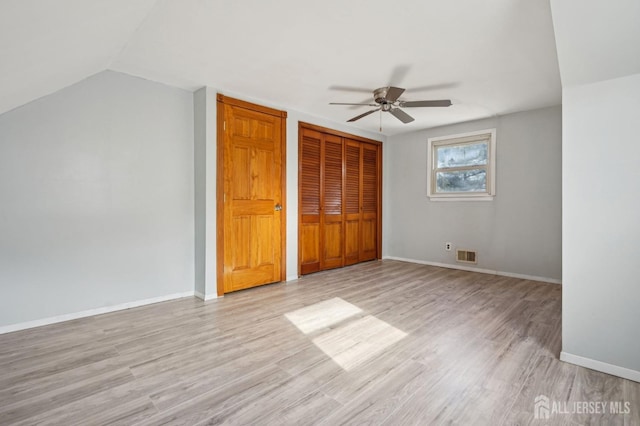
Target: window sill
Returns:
[[467, 198]]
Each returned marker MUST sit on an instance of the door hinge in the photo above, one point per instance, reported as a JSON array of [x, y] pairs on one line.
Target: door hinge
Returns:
[[224, 125]]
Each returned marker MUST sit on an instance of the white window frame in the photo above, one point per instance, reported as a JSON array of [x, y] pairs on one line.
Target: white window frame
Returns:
[[462, 139]]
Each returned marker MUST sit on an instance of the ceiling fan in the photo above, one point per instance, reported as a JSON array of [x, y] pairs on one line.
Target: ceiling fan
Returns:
[[386, 99]]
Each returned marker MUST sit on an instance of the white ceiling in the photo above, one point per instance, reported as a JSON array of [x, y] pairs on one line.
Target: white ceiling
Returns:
[[489, 57]]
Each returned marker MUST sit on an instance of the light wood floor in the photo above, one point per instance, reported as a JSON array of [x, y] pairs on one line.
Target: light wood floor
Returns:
[[386, 343]]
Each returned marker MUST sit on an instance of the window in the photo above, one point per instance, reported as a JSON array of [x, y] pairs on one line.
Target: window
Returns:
[[462, 167]]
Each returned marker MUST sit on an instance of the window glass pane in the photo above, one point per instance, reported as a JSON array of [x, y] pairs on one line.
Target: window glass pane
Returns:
[[462, 181], [462, 155]]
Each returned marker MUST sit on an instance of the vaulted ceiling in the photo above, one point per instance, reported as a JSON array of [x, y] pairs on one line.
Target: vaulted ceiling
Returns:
[[597, 40], [489, 57]]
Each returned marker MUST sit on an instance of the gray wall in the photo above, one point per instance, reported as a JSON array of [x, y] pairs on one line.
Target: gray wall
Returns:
[[519, 232], [96, 198], [601, 226], [205, 124]]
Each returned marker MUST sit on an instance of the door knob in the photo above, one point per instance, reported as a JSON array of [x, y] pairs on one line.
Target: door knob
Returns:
[[278, 207]]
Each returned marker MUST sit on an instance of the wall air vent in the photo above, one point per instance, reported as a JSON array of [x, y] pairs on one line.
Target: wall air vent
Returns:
[[466, 256]]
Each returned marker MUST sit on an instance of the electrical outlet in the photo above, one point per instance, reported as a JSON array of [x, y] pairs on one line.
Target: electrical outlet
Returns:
[[447, 246]]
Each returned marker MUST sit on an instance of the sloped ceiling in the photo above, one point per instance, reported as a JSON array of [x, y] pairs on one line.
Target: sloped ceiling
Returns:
[[597, 40], [489, 57], [48, 45]]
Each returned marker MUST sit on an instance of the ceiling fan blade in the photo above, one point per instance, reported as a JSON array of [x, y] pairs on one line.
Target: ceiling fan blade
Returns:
[[401, 115], [399, 73], [358, 117], [393, 93], [414, 104], [346, 103], [431, 87], [366, 101]]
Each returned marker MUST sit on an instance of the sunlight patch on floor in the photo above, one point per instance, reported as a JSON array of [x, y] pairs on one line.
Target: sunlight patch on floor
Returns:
[[353, 342], [358, 341], [322, 315]]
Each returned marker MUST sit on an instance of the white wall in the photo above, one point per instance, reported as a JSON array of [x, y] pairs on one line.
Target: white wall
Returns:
[[601, 226], [96, 198], [519, 232]]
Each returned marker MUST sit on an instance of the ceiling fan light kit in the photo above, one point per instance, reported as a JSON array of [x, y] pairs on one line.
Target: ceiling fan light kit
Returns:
[[386, 100]]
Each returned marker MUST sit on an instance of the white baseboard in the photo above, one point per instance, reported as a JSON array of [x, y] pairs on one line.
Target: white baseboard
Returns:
[[292, 278], [625, 373], [91, 312], [205, 297], [474, 269]]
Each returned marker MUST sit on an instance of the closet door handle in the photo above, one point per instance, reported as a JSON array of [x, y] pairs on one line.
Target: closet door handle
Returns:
[[278, 207]]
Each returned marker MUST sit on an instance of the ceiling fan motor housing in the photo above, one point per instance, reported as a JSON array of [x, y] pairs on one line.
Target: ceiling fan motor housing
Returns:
[[380, 95]]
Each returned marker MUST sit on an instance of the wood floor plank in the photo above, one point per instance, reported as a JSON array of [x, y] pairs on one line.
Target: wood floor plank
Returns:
[[43, 370], [187, 386], [550, 378], [224, 399], [597, 387], [382, 398], [73, 392], [631, 395], [266, 404], [309, 410], [382, 342], [28, 389], [113, 401], [348, 384]]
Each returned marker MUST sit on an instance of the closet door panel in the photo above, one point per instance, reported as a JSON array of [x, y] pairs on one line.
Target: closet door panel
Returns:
[[369, 219], [309, 247], [351, 241], [332, 242], [353, 190], [332, 253], [368, 227], [309, 193]]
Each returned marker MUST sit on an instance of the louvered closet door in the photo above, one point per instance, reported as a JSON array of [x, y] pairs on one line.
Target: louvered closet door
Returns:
[[353, 190], [309, 193], [339, 199], [369, 217], [331, 198]]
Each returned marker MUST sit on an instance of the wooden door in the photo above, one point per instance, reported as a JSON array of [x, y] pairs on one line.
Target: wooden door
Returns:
[[253, 229]]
